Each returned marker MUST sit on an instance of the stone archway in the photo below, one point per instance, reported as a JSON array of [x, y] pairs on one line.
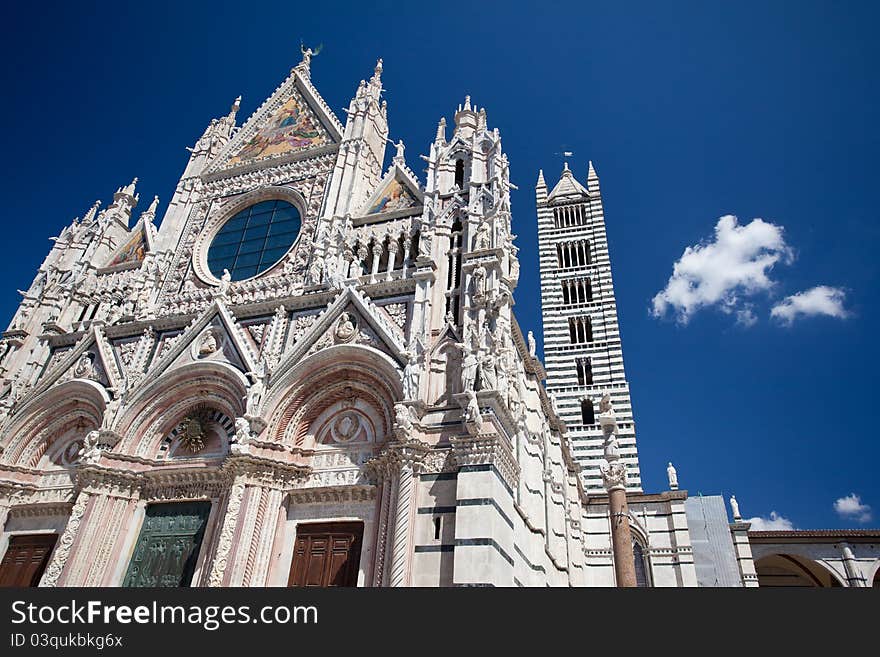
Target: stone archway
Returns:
[[793, 571]]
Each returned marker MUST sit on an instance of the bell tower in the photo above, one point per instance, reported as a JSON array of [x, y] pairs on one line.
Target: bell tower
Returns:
[[582, 347]]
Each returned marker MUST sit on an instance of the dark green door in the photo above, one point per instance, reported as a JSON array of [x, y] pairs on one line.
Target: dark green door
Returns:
[[168, 545]]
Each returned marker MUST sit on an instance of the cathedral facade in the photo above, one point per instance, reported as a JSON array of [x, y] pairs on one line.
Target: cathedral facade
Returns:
[[309, 373]]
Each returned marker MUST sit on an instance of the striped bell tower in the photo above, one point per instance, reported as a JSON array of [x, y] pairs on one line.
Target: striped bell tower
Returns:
[[582, 348]]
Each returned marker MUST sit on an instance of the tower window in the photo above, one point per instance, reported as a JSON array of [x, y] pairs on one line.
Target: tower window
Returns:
[[584, 369], [580, 330], [459, 173], [587, 415]]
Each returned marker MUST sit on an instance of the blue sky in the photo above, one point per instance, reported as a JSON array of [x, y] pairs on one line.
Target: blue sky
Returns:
[[689, 111]]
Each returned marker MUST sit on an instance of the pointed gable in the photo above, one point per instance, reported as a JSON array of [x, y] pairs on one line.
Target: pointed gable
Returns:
[[568, 188], [133, 251], [397, 192], [293, 120]]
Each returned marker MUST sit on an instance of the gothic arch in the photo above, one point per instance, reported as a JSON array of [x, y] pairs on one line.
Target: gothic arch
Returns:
[[77, 404], [351, 381], [157, 409]]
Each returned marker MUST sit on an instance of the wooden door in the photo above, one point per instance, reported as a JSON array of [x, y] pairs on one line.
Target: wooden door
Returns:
[[168, 545], [326, 554], [26, 558]]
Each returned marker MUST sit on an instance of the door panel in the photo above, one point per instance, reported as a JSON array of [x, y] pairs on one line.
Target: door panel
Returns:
[[168, 545], [26, 558], [326, 554]]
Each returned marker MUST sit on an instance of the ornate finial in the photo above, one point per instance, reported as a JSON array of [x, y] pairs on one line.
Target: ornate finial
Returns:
[[233, 110], [90, 215], [150, 212], [441, 130], [378, 70], [467, 103]]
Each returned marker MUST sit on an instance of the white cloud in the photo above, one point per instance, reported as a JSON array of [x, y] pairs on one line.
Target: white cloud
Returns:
[[820, 300], [851, 508], [775, 523], [746, 317], [723, 271]]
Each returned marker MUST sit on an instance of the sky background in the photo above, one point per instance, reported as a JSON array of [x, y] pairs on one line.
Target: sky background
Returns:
[[688, 111]]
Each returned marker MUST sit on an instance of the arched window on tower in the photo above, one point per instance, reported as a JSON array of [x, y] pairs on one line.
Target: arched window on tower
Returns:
[[587, 415], [459, 173], [641, 565]]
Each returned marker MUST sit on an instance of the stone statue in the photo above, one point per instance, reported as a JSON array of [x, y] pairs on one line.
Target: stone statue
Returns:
[[90, 451], [225, 282], [110, 412], [255, 392], [479, 278], [488, 375], [425, 236], [400, 148], [469, 366], [345, 328], [85, 367], [532, 345], [315, 272], [208, 345], [482, 238], [553, 404], [403, 425], [411, 375], [734, 506], [605, 405], [242, 431], [472, 412], [611, 448], [673, 476]]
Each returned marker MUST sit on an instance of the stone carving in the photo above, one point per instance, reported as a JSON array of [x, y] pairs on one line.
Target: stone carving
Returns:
[[225, 282], [85, 367], [479, 282], [469, 365], [425, 237], [91, 451], [532, 346], [411, 375], [673, 476], [613, 475], [488, 373], [242, 437], [472, 411], [397, 312], [207, 344], [734, 506], [482, 238], [254, 398], [110, 412], [605, 405], [346, 328], [403, 425], [193, 430]]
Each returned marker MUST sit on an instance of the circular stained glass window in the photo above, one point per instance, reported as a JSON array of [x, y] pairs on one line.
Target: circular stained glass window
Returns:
[[253, 240]]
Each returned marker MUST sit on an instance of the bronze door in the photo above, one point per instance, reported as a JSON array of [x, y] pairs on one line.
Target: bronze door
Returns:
[[326, 554], [168, 545], [26, 558]]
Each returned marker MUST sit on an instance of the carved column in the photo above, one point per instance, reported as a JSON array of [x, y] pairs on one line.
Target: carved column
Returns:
[[62, 550], [392, 257], [227, 531], [614, 478], [397, 466], [377, 255]]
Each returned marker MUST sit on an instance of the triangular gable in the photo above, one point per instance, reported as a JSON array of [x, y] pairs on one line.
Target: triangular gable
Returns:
[[91, 358], [133, 251], [230, 344], [294, 119], [326, 324], [568, 186], [395, 192]]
